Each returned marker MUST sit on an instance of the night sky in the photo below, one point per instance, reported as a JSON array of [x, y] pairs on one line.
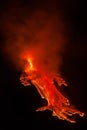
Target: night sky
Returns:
[[18, 103]]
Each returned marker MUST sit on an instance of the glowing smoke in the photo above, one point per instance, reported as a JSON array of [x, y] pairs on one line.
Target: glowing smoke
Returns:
[[41, 34]]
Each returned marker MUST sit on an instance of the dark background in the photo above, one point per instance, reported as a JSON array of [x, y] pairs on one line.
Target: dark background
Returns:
[[18, 103]]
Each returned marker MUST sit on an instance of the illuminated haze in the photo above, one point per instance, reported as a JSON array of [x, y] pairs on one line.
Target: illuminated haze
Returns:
[[40, 33]]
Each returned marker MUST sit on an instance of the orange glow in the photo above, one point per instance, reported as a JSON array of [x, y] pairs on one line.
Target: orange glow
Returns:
[[45, 84], [29, 65]]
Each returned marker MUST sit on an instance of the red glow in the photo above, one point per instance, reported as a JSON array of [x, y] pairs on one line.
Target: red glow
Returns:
[[44, 82]]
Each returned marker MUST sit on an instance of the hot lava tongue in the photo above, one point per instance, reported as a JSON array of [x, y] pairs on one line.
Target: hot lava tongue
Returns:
[[45, 85]]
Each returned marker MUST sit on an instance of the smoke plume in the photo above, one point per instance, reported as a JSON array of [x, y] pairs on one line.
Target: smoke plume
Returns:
[[40, 33]]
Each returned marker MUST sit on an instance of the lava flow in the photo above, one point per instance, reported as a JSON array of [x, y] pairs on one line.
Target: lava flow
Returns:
[[45, 85]]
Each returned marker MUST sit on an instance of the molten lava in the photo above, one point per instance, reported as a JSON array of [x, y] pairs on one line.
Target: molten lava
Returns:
[[45, 84]]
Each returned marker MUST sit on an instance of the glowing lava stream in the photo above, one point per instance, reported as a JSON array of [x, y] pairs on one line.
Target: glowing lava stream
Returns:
[[46, 87]]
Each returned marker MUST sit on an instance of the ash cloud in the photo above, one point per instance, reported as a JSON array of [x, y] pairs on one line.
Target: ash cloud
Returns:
[[40, 32]]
